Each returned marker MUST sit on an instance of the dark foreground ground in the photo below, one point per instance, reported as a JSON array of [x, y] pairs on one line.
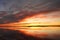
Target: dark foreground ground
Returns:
[[6, 34]]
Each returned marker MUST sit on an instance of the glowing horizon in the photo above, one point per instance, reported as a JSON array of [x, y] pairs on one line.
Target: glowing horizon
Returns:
[[44, 19]]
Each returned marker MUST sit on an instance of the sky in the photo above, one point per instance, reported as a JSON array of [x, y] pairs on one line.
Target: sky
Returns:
[[10, 8], [11, 5]]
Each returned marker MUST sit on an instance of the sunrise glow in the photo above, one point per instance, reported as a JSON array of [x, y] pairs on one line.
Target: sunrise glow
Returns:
[[43, 19]]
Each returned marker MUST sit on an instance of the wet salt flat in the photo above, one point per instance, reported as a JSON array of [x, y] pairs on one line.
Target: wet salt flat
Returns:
[[40, 32]]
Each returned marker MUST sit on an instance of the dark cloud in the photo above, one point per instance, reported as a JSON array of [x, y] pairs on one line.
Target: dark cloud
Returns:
[[31, 5], [15, 17]]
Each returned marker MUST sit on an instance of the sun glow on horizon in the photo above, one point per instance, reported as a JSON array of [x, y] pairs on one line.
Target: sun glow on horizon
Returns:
[[42, 19]]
